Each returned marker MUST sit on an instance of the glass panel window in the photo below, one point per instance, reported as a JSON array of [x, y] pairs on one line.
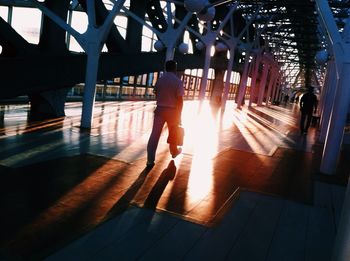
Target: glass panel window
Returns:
[[188, 41], [147, 32], [27, 22], [146, 44], [121, 22], [138, 79], [4, 12], [211, 73], [144, 79], [79, 23]]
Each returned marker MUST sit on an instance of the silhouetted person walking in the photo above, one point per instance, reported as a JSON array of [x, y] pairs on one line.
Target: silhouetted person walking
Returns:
[[308, 106], [169, 92]]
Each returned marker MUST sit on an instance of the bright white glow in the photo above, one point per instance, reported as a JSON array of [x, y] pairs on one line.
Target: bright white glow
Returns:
[[249, 81], [212, 50], [201, 28], [147, 32], [148, 38], [187, 40], [200, 179], [27, 21], [200, 72], [146, 44], [4, 12], [121, 22], [211, 73], [79, 23], [194, 72], [236, 78]]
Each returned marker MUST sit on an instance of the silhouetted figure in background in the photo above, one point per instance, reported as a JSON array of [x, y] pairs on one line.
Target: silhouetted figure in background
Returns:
[[169, 92], [308, 106]]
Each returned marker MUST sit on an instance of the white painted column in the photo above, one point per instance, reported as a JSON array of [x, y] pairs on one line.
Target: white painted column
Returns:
[[90, 85], [231, 43], [275, 87], [204, 79], [209, 40], [341, 250], [341, 50], [328, 100], [91, 41], [262, 83], [324, 88], [244, 79], [337, 122], [228, 76], [170, 37], [271, 83], [254, 77]]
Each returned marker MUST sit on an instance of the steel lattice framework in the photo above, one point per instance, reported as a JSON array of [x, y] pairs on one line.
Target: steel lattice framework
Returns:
[[290, 29]]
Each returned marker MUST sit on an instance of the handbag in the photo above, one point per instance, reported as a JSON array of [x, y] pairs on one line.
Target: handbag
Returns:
[[176, 135]]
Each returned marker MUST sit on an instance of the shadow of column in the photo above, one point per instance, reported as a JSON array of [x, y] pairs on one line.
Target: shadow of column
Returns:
[[123, 203]]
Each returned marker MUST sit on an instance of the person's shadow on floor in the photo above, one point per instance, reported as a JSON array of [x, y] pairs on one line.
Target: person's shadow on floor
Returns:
[[167, 175], [123, 203]]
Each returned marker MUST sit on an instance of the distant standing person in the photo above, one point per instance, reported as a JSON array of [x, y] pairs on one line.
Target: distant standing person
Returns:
[[308, 106], [169, 92]]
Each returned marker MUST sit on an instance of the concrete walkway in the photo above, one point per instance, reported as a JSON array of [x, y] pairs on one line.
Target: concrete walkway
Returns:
[[246, 187]]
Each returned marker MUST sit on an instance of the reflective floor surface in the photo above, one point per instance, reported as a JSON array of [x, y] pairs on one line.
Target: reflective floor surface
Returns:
[[59, 181]]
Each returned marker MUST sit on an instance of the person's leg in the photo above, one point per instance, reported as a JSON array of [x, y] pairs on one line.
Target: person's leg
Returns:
[[308, 121], [173, 146], [152, 145], [172, 122]]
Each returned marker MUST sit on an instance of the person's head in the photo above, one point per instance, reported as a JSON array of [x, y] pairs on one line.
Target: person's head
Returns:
[[171, 66]]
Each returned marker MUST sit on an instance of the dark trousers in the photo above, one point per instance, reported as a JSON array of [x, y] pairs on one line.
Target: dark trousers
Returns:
[[162, 115], [305, 121]]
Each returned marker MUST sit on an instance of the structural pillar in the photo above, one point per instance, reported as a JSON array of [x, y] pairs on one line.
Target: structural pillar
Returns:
[[271, 83], [90, 86], [254, 77], [337, 122], [243, 82], [263, 83], [341, 251], [328, 100]]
